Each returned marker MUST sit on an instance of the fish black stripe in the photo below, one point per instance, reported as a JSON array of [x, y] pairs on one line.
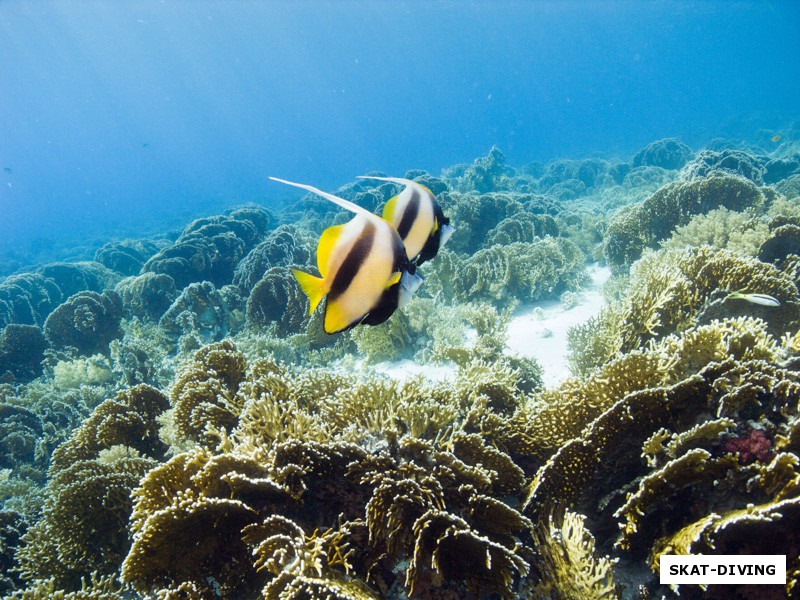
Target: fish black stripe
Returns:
[[409, 215], [352, 262]]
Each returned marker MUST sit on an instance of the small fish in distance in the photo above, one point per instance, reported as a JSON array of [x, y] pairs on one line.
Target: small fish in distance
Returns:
[[760, 299]]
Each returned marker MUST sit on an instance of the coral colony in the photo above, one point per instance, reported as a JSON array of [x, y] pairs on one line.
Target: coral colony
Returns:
[[176, 425]]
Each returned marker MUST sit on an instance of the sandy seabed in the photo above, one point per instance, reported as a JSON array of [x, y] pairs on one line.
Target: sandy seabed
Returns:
[[537, 330]]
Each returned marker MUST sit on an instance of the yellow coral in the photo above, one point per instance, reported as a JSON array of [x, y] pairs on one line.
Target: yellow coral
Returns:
[[573, 571]]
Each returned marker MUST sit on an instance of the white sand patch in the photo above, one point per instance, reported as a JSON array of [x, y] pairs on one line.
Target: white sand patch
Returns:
[[540, 331], [406, 369]]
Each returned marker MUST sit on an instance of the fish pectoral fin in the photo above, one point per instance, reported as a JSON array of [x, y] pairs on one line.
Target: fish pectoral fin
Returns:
[[395, 278], [313, 287]]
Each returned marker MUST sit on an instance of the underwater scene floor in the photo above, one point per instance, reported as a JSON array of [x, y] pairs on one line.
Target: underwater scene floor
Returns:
[[601, 366]]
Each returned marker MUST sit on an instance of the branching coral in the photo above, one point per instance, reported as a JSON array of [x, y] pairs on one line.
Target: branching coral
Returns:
[[567, 554], [671, 290], [722, 228], [128, 419], [83, 527]]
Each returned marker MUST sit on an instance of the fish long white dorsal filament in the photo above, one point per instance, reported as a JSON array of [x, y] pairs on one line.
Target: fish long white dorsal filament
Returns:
[[346, 204]]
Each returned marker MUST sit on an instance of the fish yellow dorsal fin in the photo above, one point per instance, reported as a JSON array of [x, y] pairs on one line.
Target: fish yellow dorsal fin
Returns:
[[313, 287], [393, 279], [388, 209], [326, 243]]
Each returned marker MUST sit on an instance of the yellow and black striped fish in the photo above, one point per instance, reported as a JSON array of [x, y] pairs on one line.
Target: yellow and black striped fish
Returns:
[[418, 218], [365, 272]]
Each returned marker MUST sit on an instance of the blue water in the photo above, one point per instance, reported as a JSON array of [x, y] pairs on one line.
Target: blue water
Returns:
[[125, 118]]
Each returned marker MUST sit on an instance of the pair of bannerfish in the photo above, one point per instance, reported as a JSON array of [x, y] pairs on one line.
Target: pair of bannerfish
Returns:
[[368, 265]]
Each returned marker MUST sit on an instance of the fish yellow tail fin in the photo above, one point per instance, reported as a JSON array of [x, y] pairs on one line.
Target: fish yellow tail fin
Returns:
[[313, 287]]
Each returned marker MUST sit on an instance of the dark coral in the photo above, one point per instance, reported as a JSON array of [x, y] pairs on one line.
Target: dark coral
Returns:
[[147, 296], [733, 162], [209, 249], [20, 431], [87, 321], [12, 528], [286, 245], [779, 169], [783, 241], [74, 277], [203, 310], [669, 153], [126, 257], [21, 351], [278, 300], [578, 175], [28, 299]]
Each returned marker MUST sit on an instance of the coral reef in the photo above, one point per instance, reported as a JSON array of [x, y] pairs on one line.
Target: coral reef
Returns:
[[735, 162], [21, 351], [72, 278], [669, 153], [87, 321], [126, 257], [174, 425], [28, 298], [522, 271], [671, 290], [209, 249], [277, 300], [642, 226], [285, 246], [203, 310], [147, 296], [127, 420], [722, 228]]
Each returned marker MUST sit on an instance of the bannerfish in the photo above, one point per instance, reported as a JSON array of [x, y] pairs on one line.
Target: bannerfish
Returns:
[[418, 218], [366, 275], [760, 299]]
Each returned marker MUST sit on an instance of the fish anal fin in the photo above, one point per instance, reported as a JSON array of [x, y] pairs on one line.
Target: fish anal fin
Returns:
[[313, 287], [327, 241], [336, 319]]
